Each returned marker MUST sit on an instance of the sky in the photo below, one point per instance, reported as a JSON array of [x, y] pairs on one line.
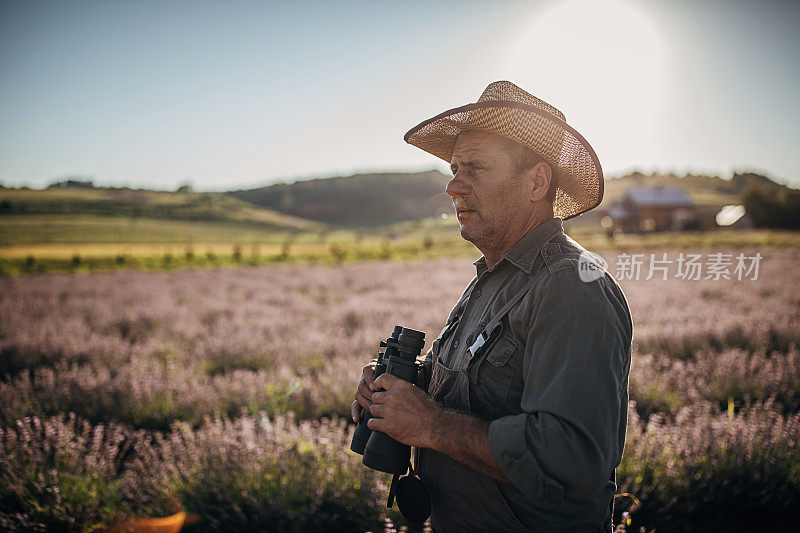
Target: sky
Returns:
[[236, 94]]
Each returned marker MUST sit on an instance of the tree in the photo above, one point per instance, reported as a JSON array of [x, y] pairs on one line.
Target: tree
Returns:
[[772, 206]]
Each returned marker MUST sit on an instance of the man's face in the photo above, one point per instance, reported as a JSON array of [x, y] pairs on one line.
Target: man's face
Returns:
[[490, 202]]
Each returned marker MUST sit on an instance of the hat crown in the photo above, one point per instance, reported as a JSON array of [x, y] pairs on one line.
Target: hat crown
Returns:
[[505, 91]]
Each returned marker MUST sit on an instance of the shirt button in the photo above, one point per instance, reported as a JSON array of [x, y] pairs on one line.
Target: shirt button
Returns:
[[477, 293], [456, 343]]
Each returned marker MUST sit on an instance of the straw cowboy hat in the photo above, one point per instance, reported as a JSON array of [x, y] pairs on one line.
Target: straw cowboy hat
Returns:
[[507, 110]]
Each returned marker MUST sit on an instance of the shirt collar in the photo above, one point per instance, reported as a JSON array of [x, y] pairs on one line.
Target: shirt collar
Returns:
[[523, 254]]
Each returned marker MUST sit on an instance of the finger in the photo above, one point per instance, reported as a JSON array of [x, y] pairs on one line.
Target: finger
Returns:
[[355, 411], [362, 401], [384, 381], [364, 390], [368, 374], [376, 424], [378, 410]]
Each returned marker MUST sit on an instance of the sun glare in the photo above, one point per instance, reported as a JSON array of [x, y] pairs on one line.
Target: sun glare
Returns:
[[603, 63]]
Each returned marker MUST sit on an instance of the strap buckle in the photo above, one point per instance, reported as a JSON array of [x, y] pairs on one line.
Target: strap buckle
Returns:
[[478, 344]]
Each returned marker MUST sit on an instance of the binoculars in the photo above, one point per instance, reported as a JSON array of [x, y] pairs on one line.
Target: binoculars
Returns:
[[380, 451], [399, 358]]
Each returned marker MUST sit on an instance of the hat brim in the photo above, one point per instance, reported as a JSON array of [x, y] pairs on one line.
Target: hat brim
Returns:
[[580, 182]]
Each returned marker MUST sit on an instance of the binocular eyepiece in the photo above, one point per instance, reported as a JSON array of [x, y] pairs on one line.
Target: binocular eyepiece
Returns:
[[399, 358]]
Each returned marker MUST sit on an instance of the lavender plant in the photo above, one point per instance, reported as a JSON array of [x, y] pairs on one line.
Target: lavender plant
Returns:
[[67, 475], [708, 470], [247, 474], [221, 392], [730, 377]]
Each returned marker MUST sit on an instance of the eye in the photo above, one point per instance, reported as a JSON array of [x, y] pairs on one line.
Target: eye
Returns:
[[477, 170]]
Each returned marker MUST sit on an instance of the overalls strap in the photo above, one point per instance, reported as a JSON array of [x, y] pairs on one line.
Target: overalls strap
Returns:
[[496, 321]]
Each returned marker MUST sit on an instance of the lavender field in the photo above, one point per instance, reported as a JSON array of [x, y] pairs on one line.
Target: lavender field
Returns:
[[226, 393]]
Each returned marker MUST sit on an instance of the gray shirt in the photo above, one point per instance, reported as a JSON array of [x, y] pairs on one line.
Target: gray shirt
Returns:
[[553, 382]]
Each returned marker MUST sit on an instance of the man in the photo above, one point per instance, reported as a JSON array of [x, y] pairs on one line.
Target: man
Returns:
[[524, 421]]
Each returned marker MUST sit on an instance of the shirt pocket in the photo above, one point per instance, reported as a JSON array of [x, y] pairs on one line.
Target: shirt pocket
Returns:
[[496, 376]]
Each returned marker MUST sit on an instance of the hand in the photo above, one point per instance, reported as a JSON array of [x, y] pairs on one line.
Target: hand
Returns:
[[404, 412], [363, 391]]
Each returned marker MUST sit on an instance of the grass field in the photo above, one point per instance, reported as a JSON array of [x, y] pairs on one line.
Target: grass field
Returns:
[[225, 392], [32, 230], [145, 204], [75, 229], [69, 243]]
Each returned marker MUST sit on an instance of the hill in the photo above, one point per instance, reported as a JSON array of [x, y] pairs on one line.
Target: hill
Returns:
[[386, 202], [73, 201], [361, 200], [74, 226], [702, 189], [371, 200]]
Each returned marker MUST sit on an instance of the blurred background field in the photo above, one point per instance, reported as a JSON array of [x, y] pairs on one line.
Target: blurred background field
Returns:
[[225, 393], [74, 226], [193, 351]]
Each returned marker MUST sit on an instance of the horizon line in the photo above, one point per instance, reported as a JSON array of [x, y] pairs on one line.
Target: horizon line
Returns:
[[147, 185]]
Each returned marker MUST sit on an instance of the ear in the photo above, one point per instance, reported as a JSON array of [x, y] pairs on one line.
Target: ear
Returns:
[[540, 176]]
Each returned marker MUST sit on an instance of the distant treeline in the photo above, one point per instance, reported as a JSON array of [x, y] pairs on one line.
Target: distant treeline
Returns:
[[769, 204], [73, 183], [123, 203]]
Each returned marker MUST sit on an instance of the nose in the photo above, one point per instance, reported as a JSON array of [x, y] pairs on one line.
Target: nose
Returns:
[[456, 188]]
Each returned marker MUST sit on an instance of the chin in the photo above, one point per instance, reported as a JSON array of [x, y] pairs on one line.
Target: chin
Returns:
[[469, 234]]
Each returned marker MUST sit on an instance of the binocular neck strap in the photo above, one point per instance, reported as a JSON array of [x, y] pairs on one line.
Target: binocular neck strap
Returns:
[[392, 491], [495, 322], [393, 487]]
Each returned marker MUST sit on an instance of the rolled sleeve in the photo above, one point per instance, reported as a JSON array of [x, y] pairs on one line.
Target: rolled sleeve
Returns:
[[508, 445], [566, 442]]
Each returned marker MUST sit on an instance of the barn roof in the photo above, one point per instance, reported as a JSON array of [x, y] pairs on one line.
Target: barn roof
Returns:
[[658, 196], [618, 211]]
